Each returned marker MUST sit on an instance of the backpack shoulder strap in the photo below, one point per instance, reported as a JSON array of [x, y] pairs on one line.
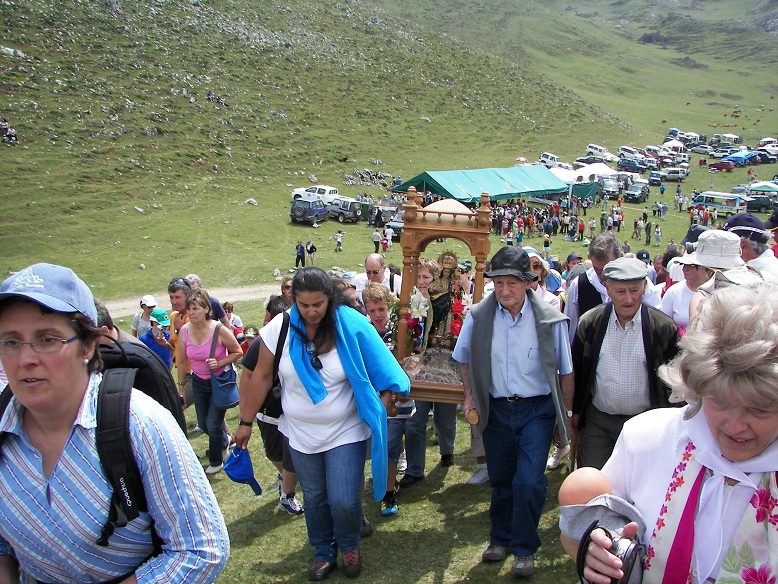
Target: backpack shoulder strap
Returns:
[[280, 345], [5, 399], [114, 448]]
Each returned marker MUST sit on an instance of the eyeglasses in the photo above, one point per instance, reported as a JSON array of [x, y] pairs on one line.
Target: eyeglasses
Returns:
[[41, 345], [178, 282], [310, 348], [536, 266], [372, 272], [287, 287]]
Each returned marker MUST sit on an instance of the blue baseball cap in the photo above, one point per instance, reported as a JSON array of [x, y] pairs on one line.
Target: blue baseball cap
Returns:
[[55, 287], [239, 468]]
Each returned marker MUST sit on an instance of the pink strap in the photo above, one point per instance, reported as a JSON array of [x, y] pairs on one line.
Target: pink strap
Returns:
[[679, 559]]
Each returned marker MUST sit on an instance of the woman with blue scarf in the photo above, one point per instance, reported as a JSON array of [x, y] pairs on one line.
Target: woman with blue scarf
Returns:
[[333, 367]]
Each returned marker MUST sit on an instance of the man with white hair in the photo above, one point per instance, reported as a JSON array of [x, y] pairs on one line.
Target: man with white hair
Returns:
[[377, 272], [754, 248]]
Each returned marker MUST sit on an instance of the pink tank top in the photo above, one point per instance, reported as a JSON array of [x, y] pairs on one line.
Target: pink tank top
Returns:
[[198, 354]]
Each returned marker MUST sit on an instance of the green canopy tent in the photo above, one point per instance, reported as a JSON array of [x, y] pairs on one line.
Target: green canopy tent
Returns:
[[533, 182]]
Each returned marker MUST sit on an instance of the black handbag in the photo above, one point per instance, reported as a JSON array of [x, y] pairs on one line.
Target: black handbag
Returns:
[[224, 387], [272, 405]]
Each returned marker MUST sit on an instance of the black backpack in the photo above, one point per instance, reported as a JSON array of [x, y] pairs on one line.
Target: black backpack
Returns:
[[125, 365]]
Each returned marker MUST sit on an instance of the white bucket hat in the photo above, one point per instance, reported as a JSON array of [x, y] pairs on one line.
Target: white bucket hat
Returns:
[[715, 249]]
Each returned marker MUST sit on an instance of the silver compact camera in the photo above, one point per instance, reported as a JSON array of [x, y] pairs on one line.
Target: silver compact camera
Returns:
[[625, 549]]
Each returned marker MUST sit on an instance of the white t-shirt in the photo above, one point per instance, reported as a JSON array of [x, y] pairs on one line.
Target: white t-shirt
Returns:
[[330, 423], [675, 303]]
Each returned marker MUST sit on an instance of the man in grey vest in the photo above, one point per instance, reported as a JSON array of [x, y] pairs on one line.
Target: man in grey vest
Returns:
[[520, 385]]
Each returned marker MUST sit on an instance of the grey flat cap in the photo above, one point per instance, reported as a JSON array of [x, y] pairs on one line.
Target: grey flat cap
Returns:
[[625, 270]]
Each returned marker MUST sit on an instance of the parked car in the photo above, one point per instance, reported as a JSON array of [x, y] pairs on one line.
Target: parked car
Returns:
[[549, 159], [760, 203], [586, 160], [721, 152], [740, 189], [673, 174], [397, 223], [765, 158], [655, 178], [602, 152], [309, 210], [702, 149], [323, 192], [723, 165], [608, 186], [345, 209], [636, 193], [631, 165], [651, 163]]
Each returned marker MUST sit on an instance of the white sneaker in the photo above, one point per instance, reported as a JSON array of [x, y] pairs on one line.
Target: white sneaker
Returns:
[[402, 463], [479, 477], [213, 469], [555, 460]]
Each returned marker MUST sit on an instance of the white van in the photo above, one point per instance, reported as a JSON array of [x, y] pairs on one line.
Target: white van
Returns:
[[602, 152], [727, 202], [628, 152], [765, 142], [550, 160], [682, 157]]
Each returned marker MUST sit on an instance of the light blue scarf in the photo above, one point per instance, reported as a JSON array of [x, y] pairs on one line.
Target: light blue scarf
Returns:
[[370, 368]]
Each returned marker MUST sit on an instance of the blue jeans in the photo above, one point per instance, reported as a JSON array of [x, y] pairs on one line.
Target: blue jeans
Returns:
[[330, 482], [445, 417], [210, 419], [516, 439]]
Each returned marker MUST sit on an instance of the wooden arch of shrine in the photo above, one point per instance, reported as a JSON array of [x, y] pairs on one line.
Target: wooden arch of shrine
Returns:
[[423, 225]]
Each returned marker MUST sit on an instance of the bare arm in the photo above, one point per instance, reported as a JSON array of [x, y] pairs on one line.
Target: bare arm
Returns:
[[181, 359], [468, 406], [254, 387], [234, 352], [567, 384]]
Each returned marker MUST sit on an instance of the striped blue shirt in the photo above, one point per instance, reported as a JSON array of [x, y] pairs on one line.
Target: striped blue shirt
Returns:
[[51, 525]]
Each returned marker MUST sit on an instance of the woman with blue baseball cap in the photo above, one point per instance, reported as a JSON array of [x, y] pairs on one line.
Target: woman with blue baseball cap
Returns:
[[54, 495]]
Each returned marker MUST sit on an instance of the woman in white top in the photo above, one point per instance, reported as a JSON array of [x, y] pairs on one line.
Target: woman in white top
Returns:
[[706, 491], [333, 367], [716, 250]]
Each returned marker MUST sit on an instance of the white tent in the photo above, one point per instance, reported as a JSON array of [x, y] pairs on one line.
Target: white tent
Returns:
[[675, 145], [764, 186], [597, 169], [565, 175]]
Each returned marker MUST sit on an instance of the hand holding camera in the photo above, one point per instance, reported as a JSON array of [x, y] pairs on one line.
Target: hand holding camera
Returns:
[[607, 557]]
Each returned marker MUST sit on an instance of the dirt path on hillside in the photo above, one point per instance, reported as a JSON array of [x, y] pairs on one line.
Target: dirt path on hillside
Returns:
[[128, 307]]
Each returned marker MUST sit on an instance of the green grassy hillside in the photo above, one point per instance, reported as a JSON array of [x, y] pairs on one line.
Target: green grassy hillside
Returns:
[[652, 63], [112, 115], [123, 162]]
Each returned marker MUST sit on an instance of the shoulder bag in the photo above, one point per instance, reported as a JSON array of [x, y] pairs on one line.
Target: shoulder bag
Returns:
[[224, 387], [272, 406]]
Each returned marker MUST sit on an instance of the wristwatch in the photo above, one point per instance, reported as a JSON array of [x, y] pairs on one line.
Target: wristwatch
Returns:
[[244, 423]]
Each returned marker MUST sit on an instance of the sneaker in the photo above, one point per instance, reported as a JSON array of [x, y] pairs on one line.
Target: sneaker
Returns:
[[366, 530], [320, 570], [447, 460], [402, 463], [479, 477], [555, 460], [289, 504], [523, 566], [196, 428], [408, 480], [352, 563], [213, 469], [494, 553], [389, 506]]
